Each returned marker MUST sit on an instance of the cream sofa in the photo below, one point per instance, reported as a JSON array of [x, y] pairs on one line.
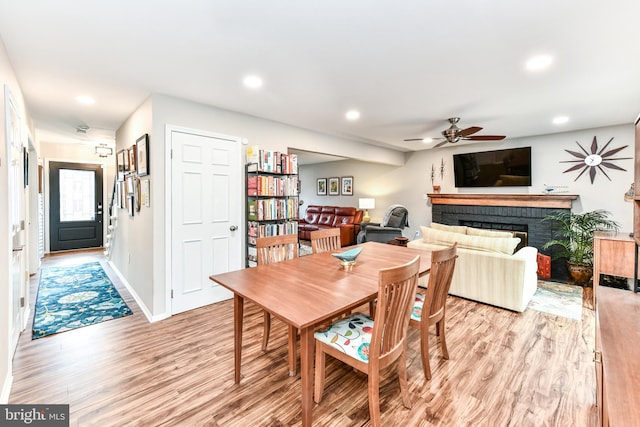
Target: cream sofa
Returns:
[[487, 270]]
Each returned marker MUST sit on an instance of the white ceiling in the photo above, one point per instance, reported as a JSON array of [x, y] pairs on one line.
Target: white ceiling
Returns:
[[405, 65]]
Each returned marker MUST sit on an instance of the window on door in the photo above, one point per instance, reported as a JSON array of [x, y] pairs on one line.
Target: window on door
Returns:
[[77, 195]]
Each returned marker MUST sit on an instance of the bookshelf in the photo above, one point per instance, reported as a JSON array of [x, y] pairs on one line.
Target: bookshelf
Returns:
[[272, 189]]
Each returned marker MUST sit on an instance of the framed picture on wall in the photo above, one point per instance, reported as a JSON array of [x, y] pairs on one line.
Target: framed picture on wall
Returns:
[[321, 186], [131, 152], [346, 187], [142, 155], [334, 186], [122, 160]]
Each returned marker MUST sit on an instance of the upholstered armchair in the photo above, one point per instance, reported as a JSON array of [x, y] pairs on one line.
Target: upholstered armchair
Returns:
[[395, 219]]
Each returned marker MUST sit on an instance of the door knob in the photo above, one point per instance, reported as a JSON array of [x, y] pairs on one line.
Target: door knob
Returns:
[[233, 228]]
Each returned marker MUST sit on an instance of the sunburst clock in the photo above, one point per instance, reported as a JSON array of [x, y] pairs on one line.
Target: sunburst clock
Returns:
[[596, 160]]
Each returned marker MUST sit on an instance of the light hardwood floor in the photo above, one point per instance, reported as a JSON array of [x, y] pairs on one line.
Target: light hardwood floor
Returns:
[[506, 369]]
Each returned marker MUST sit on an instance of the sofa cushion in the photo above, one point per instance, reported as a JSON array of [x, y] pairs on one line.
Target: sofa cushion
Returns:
[[326, 219], [461, 229], [502, 245], [487, 233]]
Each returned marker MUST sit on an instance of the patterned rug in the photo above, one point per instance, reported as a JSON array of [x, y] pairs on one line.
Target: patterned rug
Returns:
[[558, 299], [73, 297]]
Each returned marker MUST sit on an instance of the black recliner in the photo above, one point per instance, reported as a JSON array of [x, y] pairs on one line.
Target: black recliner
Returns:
[[394, 221]]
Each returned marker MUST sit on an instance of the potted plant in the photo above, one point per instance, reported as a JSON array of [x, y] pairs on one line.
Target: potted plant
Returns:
[[574, 240]]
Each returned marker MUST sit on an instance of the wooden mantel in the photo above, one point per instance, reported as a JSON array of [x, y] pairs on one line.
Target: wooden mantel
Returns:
[[555, 201]]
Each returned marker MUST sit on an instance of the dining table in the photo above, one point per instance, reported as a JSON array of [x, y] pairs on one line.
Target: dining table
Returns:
[[307, 293]]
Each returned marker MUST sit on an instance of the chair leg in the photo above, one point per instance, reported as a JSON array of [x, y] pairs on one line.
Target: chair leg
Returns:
[[424, 351], [319, 377], [443, 340], [402, 376], [374, 398], [267, 330], [372, 309]]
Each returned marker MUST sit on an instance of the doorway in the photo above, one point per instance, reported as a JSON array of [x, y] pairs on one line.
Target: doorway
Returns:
[[75, 200]]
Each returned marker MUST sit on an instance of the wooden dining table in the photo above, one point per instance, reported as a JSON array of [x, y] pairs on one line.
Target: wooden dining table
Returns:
[[308, 292]]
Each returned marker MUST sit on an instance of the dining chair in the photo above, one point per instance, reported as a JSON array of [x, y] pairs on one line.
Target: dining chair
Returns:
[[370, 345], [443, 263], [324, 240], [271, 250]]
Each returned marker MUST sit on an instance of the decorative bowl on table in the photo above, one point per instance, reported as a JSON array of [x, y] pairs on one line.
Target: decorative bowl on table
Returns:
[[348, 258]]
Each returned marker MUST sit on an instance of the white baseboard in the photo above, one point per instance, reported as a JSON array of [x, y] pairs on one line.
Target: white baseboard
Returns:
[[6, 388], [136, 297]]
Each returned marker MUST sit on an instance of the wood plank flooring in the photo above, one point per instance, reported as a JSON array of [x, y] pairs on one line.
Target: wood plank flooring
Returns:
[[506, 369]]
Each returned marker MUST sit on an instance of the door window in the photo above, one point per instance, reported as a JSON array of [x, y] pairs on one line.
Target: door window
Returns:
[[77, 195]]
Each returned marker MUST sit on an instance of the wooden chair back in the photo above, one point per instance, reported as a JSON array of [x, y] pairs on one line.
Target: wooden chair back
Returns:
[[324, 240], [271, 250], [397, 289], [443, 263], [277, 248]]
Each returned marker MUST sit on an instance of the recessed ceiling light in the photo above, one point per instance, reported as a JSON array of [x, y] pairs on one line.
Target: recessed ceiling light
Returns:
[[252, 82], [539, 62], [352, 115], [560, 120], [86, 100]]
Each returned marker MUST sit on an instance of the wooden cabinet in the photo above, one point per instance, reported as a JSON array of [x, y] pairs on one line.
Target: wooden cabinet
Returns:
[[616, 357], [613, 253]]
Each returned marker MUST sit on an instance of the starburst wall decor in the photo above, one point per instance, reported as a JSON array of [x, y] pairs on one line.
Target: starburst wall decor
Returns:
[[596, 160]]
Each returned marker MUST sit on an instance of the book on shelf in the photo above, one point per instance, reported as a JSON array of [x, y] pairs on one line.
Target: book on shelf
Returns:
[[271, 161]]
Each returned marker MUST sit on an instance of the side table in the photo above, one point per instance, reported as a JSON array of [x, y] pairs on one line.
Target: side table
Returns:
[[399, 241]]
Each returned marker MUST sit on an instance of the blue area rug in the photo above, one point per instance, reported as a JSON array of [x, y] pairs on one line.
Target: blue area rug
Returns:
[[73, 297], [558, 299]]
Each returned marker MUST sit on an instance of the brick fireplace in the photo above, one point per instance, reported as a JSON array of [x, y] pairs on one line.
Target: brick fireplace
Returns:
[[520, 213]]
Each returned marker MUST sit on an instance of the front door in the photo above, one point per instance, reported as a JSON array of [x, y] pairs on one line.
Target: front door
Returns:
[[205, 216], [75, 216]]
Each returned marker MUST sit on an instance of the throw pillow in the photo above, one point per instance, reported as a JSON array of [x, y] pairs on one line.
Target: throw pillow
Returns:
[[488, 233], [461, 229]]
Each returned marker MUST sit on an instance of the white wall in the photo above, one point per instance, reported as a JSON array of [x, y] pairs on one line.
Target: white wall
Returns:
[[408, 184], [134, 244]]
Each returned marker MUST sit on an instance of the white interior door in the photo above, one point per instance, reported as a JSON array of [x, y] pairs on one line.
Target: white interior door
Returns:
[[17, 219], [206, 237]]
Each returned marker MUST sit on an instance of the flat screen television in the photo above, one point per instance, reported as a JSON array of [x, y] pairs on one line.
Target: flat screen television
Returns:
[[497, 168]]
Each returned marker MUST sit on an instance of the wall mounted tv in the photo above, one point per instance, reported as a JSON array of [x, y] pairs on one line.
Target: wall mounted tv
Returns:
[[498, 168]]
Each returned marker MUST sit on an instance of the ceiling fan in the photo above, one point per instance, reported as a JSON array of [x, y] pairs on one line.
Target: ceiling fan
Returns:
[[454, 134]]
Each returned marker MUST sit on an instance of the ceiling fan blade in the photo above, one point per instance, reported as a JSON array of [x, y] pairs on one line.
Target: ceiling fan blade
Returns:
[[440, 144], [485, 137], [414, 139], [470, 130]]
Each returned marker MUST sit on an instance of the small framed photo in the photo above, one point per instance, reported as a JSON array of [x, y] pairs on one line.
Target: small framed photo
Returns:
[[123, 164], [334, 186], [346, 186], [321, 186], [142, 155], [131, 153]]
